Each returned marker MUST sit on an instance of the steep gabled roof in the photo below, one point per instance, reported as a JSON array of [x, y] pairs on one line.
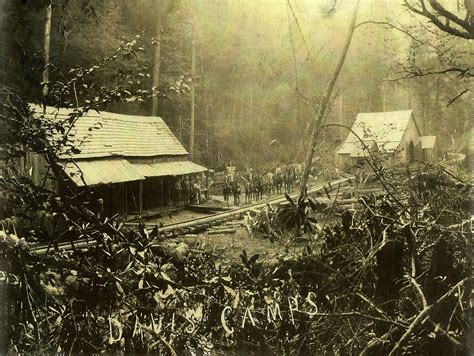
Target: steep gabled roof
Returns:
[[386, 129], [108, 134]]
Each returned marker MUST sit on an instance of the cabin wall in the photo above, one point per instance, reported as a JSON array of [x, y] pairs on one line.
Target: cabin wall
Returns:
[[41, 173], [411, 135], [35, 167], [431, 154], [117, 198], [113, 196], [343, 159], [124, 198], [159, 192]]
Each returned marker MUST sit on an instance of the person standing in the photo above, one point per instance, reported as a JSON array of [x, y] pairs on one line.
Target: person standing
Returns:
[[247, 191], [270, 182], [236, 192], [197, 191], [209, 183], [225, 190], [177, 191], [185, 189]]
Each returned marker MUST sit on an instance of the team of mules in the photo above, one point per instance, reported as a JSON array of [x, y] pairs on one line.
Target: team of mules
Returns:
[[258, 183]]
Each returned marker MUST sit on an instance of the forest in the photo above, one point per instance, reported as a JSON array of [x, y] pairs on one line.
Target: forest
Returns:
[[258, 69], [371, 260]]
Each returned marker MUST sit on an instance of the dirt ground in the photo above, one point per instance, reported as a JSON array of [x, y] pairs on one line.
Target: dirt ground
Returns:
[[230, 246], [216, 200]]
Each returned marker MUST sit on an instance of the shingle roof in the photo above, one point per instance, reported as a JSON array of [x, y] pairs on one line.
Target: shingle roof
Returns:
[[101, 171], [108, 134], [386, 129], [160, 169]]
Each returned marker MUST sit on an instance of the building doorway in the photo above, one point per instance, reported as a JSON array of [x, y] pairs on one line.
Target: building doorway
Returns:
[[411, 152]]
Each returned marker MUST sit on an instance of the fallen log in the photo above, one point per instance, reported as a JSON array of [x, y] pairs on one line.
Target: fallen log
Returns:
[[191, 236], [221, 231], [220, 228], [233, 224]]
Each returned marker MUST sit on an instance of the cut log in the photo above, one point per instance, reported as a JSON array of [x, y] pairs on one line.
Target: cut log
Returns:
[[222, 228], [233, 224], [222, 231], [191, 236]]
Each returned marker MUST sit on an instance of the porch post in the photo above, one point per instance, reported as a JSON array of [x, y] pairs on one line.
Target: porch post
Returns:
[[140, 198], [169, 192], [161, 193], [125, 196]]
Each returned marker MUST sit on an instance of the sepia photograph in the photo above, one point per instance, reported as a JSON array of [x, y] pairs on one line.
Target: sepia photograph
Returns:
[[236, 177]]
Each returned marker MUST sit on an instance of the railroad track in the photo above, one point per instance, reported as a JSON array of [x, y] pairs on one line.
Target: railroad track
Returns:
[[198, 224], [194, 225]]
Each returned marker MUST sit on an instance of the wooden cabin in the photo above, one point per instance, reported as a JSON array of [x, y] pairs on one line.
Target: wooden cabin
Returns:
[[394, 135], [132, 162]]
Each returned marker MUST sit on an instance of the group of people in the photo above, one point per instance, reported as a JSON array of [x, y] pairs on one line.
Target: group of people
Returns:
[[231, 189], [257, 183], [193, 189]]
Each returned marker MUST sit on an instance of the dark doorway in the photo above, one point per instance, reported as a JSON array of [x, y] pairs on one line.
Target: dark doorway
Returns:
[[411, 152]]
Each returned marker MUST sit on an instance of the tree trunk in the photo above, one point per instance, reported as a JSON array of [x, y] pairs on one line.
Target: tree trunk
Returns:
[[409, 94], [193, 75], [161, 13], [423, 113], [156, 68], [47, 40], [341, 109], [437, 107], [250, 110], [232, 115], [241, 118], [384, 98], [208, 124], [367, 104], [324, 104]]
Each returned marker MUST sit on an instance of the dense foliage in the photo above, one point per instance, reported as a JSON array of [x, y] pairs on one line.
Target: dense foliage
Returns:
[[390, 275], [393, 274], [361, 285]]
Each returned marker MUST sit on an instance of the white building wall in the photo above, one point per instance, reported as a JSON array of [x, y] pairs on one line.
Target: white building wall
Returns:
[[411, 134]]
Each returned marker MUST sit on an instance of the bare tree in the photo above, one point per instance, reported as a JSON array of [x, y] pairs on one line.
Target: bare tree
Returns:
[[454, 26], [318, 120], [459, 25], [444, 19]]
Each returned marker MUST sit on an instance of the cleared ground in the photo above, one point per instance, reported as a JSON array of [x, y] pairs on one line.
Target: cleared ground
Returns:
[[230, 246]]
